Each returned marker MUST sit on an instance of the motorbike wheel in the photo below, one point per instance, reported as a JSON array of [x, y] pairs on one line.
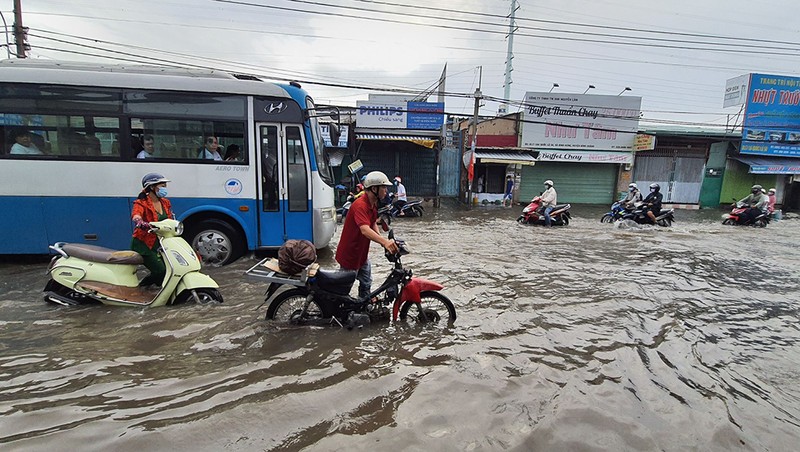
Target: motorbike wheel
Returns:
[[728, 222], [204, 296], [287, 307], [521, 219], [565, 220], [607, 218], [417, 211], [434, 308], [666, 222], [762, 223]]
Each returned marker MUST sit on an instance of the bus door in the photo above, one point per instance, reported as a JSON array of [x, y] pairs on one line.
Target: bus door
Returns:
[[285, 208]]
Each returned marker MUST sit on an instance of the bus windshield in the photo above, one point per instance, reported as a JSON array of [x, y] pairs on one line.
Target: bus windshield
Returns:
[[323, 165]]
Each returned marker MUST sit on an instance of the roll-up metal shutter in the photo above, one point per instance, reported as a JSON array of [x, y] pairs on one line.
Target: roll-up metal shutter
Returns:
[[583, 183], [415, 164], [679, 171]]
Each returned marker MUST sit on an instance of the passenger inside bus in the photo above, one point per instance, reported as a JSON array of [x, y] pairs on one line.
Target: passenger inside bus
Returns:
[[233, 153], [147, 149], [23, 144], [211, 149]]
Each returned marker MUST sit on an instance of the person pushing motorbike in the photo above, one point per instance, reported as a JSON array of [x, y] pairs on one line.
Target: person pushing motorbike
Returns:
[[651, 205], [360, 228], [757, 202]]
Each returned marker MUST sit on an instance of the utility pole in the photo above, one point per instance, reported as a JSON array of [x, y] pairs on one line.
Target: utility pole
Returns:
[[19, 30], [471, 169], [512, 27]]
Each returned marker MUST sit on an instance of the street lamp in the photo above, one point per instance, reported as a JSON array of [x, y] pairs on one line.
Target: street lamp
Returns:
[[555, 85], [587, 89], [627, 88]]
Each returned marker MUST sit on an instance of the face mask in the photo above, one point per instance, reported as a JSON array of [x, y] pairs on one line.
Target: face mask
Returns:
[[162, 192]]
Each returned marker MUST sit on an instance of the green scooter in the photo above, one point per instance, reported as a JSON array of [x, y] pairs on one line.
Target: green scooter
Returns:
[[83, 273]]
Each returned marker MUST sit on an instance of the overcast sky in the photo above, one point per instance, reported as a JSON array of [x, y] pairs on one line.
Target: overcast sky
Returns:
[[406, 43]]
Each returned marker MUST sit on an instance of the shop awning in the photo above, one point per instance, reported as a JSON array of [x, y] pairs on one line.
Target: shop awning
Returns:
[[428, 142], [771, 165], [519, 158]]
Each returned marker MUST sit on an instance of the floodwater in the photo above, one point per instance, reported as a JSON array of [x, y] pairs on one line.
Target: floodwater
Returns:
[[588, 337]]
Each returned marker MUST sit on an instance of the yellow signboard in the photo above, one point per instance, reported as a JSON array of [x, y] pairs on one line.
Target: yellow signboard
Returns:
[[644, 142]]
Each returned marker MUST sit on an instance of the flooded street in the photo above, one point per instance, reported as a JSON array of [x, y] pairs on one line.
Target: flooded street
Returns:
[[586, 337]]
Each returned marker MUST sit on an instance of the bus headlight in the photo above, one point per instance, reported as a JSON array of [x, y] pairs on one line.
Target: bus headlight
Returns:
[[328, 214], [179, 228]]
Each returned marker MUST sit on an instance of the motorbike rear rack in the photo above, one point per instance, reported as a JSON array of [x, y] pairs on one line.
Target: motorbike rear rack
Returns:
[[261, 272]]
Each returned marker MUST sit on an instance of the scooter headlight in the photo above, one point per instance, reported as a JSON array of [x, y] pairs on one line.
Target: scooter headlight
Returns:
[[179, 228], [526, 210]]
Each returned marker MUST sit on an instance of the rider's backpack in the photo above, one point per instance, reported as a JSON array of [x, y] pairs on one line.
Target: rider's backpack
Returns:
[[295, 255]]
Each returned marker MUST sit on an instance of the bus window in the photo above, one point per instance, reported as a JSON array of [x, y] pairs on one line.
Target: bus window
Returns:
[[36, 98], [269, 168], [296, 169], [66, 136], [165, 103], [184, 139]]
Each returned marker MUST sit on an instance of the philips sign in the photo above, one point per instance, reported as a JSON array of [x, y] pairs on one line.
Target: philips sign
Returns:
[[400, 115]]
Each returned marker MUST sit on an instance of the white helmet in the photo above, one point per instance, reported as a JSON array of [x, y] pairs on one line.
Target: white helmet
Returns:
[[376, 178], [548, 182], [632, 185]]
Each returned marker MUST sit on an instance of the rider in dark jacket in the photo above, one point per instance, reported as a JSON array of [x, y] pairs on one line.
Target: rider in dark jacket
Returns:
[[652, 203]]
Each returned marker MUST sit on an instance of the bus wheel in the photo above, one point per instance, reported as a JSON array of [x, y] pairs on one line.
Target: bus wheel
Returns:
[[216, 242]]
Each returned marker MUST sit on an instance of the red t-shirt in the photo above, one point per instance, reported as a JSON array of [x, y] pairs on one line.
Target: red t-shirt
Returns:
[[353, 248]]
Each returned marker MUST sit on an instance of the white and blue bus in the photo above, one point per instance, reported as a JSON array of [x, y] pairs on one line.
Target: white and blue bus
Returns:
[[86, 124]]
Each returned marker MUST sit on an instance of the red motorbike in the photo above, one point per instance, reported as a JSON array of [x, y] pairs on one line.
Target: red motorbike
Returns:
[[735, 217], [534, 214]]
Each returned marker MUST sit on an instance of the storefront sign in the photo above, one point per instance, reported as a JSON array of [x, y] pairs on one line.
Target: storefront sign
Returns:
[[736, 91], [644, 142], [772, 116], [400, 115], [775, 169], [585, 157], [579, 121]]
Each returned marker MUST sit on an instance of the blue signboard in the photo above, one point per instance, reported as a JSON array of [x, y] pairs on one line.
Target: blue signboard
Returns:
[[772, 116], [425, 115]]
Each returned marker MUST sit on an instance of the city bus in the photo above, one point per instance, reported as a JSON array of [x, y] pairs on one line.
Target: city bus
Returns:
[[86, 125]]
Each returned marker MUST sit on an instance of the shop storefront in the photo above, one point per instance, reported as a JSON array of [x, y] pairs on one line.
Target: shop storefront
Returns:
[[412, 157], [579, 177], [400, 137], [492, 167], [677, 167]]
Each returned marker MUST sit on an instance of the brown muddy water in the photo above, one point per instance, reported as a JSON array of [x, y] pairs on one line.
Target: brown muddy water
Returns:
[[588, 337]]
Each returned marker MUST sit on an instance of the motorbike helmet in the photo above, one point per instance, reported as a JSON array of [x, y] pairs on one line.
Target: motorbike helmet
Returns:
[[376, 179], [359, 187], [548, 183], [398, 180], [655, 187], [756, 189], [772, 190], [632, 186], [153, 179]]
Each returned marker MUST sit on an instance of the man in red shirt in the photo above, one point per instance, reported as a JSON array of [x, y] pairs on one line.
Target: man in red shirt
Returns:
[[360, 228]]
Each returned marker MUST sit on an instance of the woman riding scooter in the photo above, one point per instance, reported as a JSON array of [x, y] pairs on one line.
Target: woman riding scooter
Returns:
[[151, 205]]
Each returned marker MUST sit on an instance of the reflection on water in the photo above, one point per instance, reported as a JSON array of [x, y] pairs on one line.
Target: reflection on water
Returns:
[[585, 337]]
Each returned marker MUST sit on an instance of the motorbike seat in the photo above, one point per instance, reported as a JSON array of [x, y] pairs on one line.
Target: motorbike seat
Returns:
[[95, 253], [336, 281], [336, 277], [560, 206]]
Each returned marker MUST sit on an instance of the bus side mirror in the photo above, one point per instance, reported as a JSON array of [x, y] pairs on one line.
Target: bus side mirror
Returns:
[[335, 133]]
